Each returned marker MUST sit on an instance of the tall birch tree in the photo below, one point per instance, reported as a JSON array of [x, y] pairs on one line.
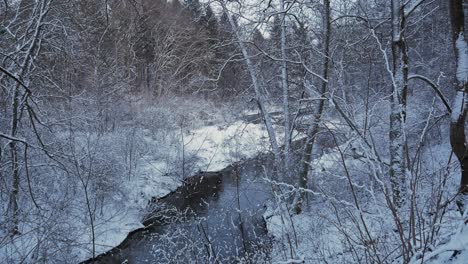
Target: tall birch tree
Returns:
[[259, 97], [398, 102]]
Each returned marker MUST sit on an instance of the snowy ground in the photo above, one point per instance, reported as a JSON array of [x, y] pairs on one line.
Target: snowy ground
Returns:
[[445, 253], [323, 231]]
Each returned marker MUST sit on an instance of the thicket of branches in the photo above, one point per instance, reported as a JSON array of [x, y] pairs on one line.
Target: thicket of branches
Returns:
[[385, 81]]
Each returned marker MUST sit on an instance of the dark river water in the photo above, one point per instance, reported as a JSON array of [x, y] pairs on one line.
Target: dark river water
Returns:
[[213, 218]]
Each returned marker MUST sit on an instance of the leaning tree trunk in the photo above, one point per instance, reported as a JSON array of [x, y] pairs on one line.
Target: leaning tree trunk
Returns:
[[259, 96], [459, 108], [398, 104], [314, 126]]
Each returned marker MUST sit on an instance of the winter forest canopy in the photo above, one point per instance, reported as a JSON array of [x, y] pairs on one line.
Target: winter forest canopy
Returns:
[[279, 131]]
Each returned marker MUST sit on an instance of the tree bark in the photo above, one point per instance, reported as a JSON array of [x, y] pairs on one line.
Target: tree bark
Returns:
[[398, 104], [459, 108], [14, 164]]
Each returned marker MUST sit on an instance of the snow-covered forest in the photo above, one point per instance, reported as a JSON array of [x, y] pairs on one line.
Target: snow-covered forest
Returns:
[[233, 131]]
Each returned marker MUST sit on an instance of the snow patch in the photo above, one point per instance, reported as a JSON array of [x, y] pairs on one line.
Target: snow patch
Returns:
[[458, 106], [462, 67], [218, 146], [444, 253]]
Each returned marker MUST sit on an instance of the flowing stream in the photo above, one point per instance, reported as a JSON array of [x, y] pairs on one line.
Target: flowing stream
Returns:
[[212, 218]]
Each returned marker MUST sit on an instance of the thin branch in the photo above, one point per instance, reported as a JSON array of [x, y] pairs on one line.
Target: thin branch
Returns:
[[16, 79], [410, 9], [13, 138], [433, 86]]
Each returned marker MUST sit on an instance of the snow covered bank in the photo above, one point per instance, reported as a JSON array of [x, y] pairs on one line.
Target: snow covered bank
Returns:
[[208, 148]]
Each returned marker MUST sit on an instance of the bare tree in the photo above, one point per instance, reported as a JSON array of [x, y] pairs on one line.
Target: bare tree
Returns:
[[398, 103], [459, 107], [259, 97], [33, 16], [285, 88], [315, 125]]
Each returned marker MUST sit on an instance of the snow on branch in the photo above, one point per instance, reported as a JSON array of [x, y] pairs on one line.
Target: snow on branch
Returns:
[[16, 79], [434, 86], [290, 261], [13, 138]]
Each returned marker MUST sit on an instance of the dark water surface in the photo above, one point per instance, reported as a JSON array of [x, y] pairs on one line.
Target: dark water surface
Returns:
[[213, 218]]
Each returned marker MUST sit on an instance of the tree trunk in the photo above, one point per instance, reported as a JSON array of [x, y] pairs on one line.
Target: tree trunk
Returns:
[[43, 7], [14, 165], [398, 105], [285, 86], [459, 108], [314, 126], [259, 96]]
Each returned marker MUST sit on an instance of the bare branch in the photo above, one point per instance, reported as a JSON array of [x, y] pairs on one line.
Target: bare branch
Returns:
[[433, 86]]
